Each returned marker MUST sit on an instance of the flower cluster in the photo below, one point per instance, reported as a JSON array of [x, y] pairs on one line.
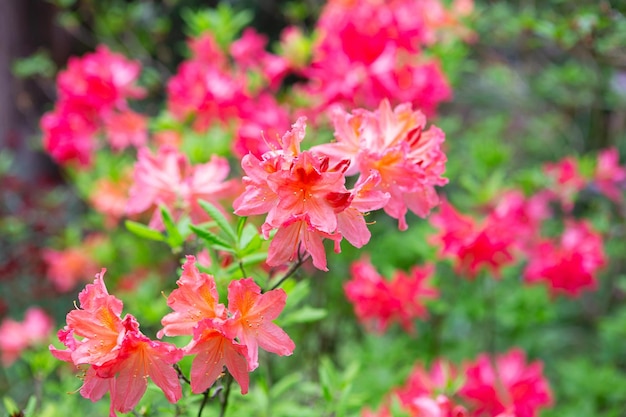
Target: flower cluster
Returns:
[[379, 302], [392, 65], [211, 89], [117, 358], [305, 197], [93, 93], [512, 229], [567, 180], [17, 336], [223, 336], [500, 386]]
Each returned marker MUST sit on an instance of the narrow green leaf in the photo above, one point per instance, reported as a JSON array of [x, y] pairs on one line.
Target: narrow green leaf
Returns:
[[10, 405], [240, 225], [304, 315], [219, 218], [215, 241], [144, 231], [174, 238]]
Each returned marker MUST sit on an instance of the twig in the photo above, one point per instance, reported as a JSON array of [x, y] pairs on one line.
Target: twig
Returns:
[[205, 398], [224, 401], [181, 376], [292, 270]]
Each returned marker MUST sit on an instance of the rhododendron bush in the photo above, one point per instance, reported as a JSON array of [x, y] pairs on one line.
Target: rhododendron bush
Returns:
[[309, 222]]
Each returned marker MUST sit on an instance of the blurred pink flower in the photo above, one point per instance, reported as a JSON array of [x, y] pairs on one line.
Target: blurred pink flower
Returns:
[[68, 267], [17, 336], [168, 179], [506, 384], [109, 197], [126, 128], [101, 81], [609, 176], [379, 302], [568, 265], [428, 394], [343, 71], [567, 181], [92, 90]]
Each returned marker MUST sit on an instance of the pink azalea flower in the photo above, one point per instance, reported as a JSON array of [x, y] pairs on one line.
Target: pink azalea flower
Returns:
[[474, 246], [120, 357], [101, 80], [92, 90], [304, 196], [215, 350], [196, 299], [168, 179], [109, 198], [567, 181], [511, 385], [394, 144], [378, 302], [251, 320], [428, 394], [523, 216], [68, 136], [249, 53], [125, 129], [342, 71], [609, 176], [15, 336], [568, 265]]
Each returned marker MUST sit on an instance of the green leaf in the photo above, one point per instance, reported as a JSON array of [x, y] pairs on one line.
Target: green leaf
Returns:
[[215, 241], [304, 315], [11, 406], [174, 238], [249, 240], [144, 231], [219, 218], [241, 223], [29, 411]]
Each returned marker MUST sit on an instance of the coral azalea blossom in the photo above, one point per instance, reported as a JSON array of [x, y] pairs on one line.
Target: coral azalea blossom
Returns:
[[120, 358]]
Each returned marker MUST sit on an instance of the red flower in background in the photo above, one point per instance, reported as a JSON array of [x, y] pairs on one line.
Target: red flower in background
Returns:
[[428, 394], [93, 92], [472, 245], [505, 384], [567, 181], [392, 65], [379, 302], [567, 265]]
